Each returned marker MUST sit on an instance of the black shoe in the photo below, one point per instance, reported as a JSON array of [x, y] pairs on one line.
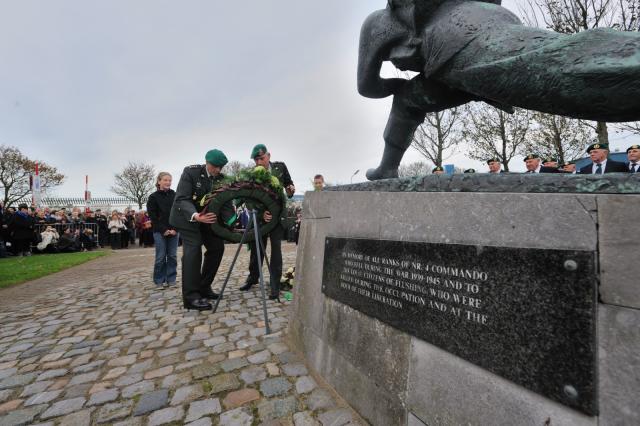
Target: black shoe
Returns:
[[198, 304], [274, 297], [212, 295], [247, 286]]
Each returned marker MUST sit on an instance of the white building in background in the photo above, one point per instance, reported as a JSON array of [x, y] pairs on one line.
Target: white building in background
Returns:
[[103, 203]]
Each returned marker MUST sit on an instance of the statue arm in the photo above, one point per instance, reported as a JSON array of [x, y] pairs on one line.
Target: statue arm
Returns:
[[378, 35]]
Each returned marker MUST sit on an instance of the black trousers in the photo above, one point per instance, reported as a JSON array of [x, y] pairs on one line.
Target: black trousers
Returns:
[[275, 261], [197, 276]]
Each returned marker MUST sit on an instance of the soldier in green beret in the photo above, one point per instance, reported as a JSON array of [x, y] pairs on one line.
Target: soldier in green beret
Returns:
[[470, 171], [600, 163], [494, 165], [569, 167], [533, 165], [188, 217], [550, 162], [633, 155], [262, 157], [437, 170]]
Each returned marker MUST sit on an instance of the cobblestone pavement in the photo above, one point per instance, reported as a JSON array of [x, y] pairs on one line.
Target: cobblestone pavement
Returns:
[[98, 344]]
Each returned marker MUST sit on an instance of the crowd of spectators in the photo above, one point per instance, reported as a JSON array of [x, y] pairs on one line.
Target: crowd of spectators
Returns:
[[26, 230]]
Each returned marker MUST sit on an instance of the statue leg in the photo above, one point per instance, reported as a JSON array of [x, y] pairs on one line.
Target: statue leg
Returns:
[[398, 134]]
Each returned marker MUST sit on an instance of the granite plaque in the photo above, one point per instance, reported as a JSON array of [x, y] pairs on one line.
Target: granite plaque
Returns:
[[525, 314]]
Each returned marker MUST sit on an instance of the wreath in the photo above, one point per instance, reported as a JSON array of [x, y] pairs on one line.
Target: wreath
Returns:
[[255, 187]]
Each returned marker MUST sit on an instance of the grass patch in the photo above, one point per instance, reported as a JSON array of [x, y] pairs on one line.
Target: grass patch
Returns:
[[15, 270]]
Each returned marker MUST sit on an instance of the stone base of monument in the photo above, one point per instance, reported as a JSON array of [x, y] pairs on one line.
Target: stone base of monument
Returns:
[[510, 299]]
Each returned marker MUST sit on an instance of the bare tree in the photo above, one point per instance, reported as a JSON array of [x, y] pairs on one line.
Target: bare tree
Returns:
[[136, 182], [15, 171], [558, 136], [418, 168], [439, 133], [574, 16], [493, 133], [234, 167]]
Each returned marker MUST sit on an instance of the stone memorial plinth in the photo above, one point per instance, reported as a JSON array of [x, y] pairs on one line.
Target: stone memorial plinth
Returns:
[[474, 299]]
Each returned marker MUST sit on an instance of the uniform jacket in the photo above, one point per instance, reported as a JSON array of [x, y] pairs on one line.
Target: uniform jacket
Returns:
[[279, 170], [193, 185], [611, 167]]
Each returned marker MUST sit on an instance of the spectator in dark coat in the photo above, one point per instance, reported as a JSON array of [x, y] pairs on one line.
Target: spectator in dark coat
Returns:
[[165, 236], [21, 231]]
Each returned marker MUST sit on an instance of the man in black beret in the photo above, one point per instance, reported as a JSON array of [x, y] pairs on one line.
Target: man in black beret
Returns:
[[600, 163], [633, 155], [533, 165], [495, 166], [194, 225], [262, 157]]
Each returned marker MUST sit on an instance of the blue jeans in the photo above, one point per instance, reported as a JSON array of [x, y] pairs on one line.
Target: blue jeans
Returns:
[[165, 268]]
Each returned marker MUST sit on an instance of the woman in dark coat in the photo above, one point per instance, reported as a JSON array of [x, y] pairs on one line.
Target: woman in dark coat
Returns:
[[21, 231], [164, 235]]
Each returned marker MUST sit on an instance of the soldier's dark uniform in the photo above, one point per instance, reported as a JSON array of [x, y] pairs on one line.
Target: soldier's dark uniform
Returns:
[[197, 276], [279, 170]]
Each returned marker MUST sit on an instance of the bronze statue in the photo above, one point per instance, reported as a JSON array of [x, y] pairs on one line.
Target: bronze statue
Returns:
[[479, 51]]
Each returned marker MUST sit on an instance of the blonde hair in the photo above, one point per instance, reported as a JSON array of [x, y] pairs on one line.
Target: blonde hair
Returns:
[[159, 178]]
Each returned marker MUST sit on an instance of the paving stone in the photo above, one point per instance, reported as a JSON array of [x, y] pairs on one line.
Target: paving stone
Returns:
[[80, 418], [304, 418], [138, 388], [223, 382], [10, 405], [122, 361], [273, 369], [187, 394], [104, 396], [175, 380], [161, 372], [320, 399], [305, 384], [260, 357], [99, 387], [52, 374], [116, 411], [131, 421], [115, 373], [278, 348], [84, 378], [240, 397], [151, 401], [66, 406], [129, 379], [77, 390], [18, 348], [288, 357], [339, 417], [195, 354], [205, 370], [5, 394], [203, 408], [17, 380], [35, 388], [42, 398], [88, 367], [236, 417], [215, 341], [141, 367], [233, 364], [166, 415], [8, 372], [205, 421], [253, 374], [275, 386], [22, 417], [276, 408]]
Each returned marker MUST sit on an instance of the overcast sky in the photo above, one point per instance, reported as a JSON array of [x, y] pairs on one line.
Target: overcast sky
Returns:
[[88, 86]]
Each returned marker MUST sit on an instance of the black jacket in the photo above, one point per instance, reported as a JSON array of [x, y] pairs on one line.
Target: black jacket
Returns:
[[159, 208], [611, 167], [21, 227], [194, 184]]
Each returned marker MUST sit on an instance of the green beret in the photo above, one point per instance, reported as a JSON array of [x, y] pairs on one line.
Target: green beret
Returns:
[[470, 171], [568, 163], [633, 147], [493, 160], [531, 157], [550, 159], [258, 150], [437, 169], [597, 146], [216, 157]]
